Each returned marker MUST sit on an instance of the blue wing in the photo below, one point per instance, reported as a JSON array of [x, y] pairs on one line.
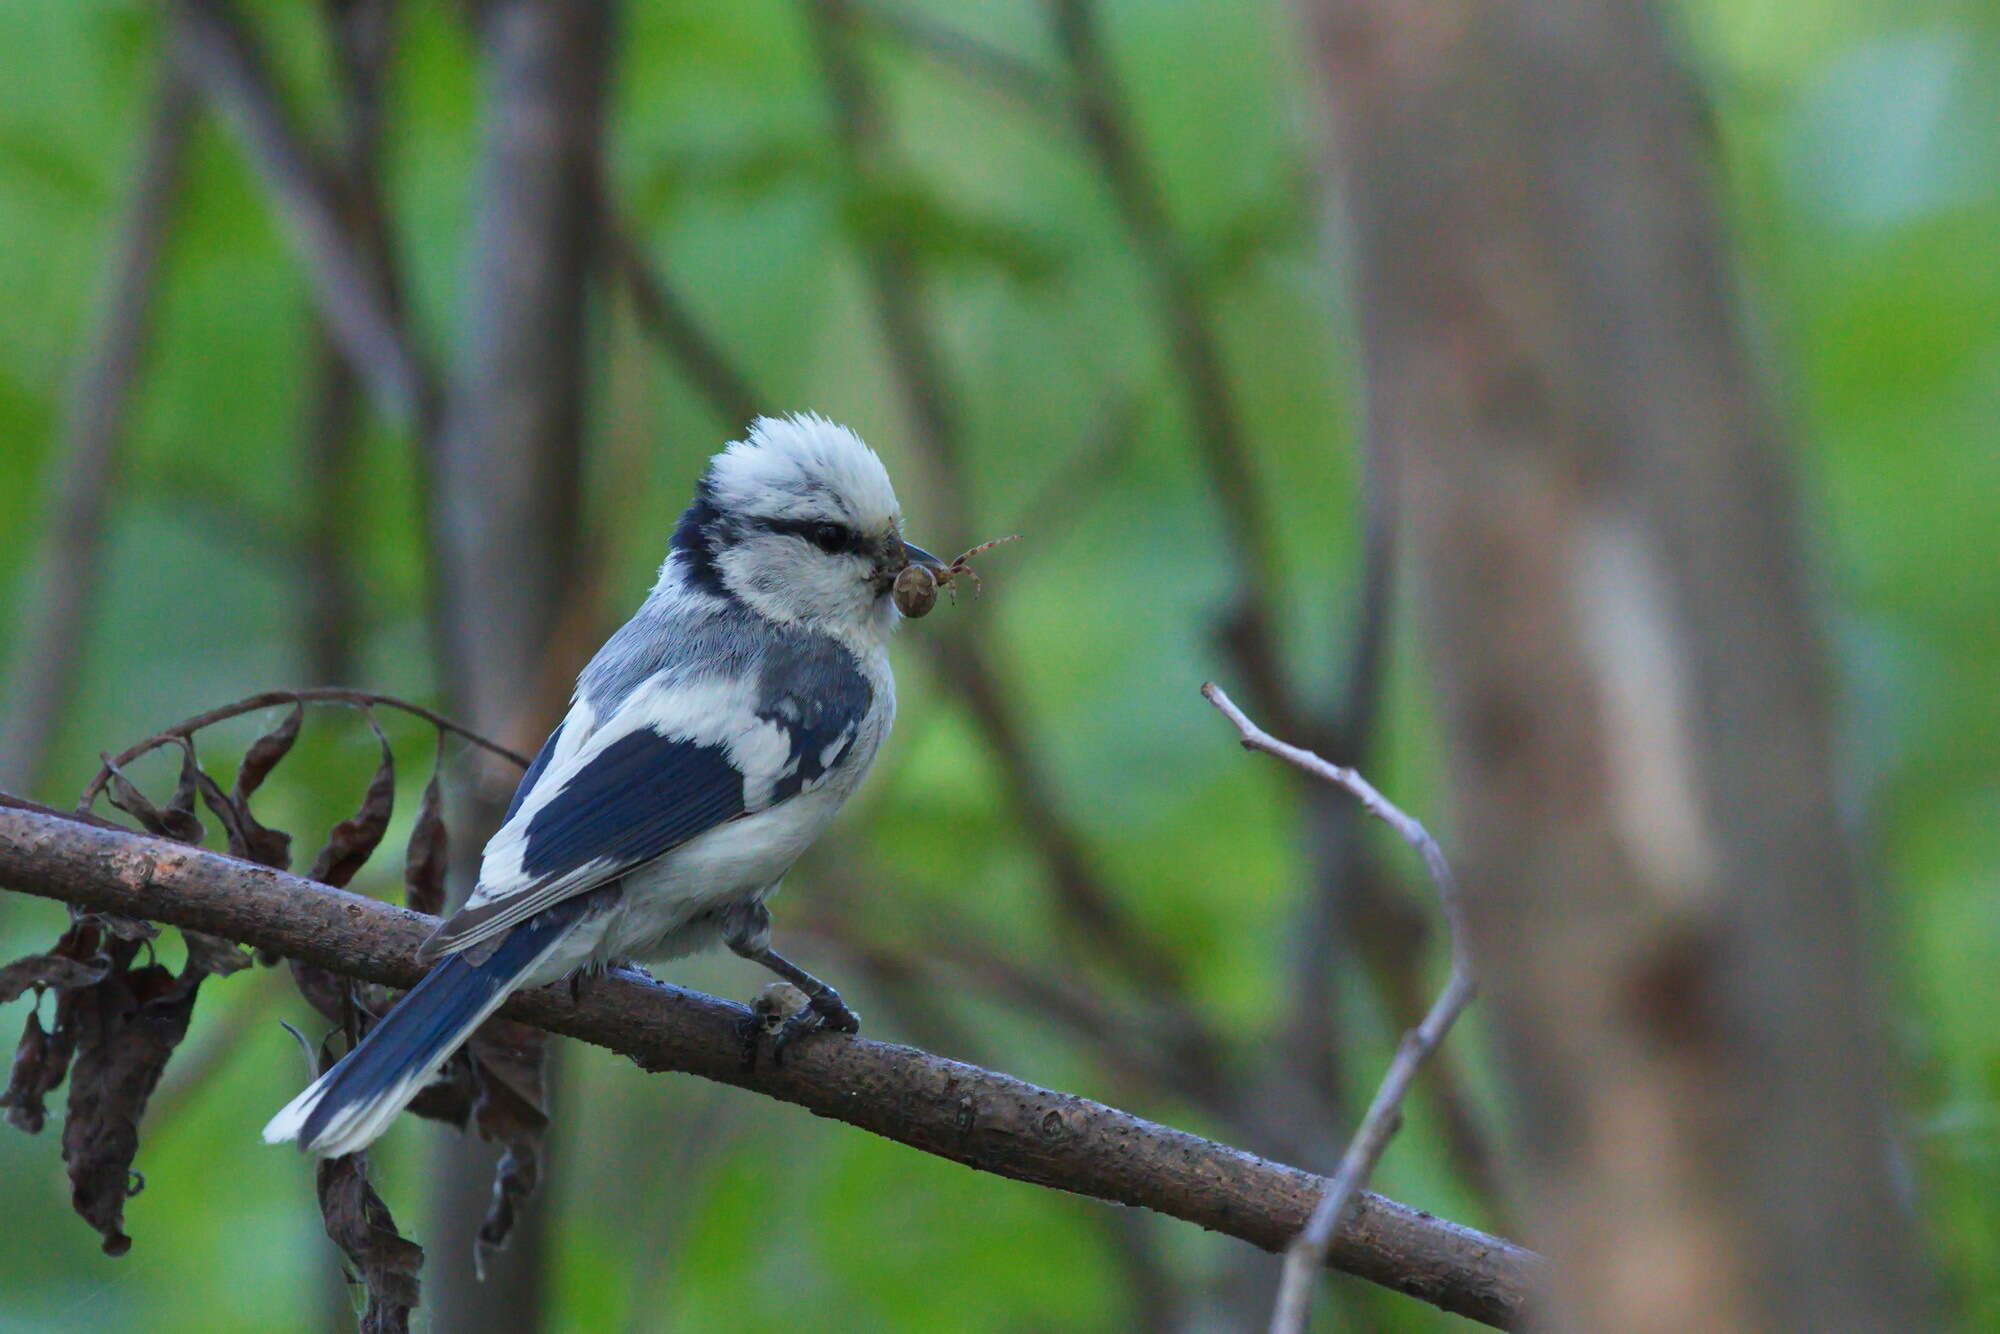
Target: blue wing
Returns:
[[664, 768], [534, 772], [641, 795]]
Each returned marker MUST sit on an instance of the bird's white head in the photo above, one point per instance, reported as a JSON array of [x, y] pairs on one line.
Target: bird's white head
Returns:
[[798, 521]]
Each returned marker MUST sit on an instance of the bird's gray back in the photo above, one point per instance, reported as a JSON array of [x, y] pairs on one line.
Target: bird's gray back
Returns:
[[681, 637]]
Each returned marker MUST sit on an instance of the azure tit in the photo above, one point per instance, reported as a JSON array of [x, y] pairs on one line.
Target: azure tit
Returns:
[[711, 739]]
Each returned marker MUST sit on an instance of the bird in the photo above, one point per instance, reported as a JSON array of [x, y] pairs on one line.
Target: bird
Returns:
[[711, 739]]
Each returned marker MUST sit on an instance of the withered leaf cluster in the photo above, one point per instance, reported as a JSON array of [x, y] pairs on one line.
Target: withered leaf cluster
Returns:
[[115, 1020]]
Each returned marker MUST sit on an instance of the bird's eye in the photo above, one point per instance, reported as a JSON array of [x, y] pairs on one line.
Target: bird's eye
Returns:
[[828, 537]]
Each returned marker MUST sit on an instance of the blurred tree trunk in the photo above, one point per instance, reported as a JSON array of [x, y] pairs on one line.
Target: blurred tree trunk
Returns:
[[505, 494], [1620, 621], [330, 595]]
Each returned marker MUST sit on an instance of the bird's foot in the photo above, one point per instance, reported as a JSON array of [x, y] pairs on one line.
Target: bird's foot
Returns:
[[823, 1012], [630, 966]]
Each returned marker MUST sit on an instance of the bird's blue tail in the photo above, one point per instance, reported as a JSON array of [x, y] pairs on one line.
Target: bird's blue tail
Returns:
[[350, 1105]]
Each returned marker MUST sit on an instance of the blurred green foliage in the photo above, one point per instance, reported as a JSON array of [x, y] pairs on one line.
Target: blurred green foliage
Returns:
[[1860, 146]]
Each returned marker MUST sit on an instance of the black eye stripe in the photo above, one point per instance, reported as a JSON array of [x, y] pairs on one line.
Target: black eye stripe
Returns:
[[825, 534]]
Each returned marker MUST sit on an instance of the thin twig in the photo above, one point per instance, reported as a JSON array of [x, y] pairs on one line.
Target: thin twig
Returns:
[[46, 666], [360, 34], [352, 275], [1374, 595], [988, 66], [1077, 483], [266, 699], [917, 363], [1344, 898], [1158, 1057], [216, 510], [1105, 123], [666, 318], [979, 1117], [1307, 1253]]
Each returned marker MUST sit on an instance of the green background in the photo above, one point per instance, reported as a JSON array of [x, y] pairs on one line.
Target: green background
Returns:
[[1859, 145]]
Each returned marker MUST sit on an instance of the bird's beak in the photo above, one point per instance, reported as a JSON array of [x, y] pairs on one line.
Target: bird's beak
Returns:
[[916, 555]]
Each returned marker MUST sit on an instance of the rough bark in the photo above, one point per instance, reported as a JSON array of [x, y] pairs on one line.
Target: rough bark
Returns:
[[1635, 692], [978, 1117]]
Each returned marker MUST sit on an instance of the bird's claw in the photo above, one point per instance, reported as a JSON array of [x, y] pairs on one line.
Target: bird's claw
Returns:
[[824, 1012]]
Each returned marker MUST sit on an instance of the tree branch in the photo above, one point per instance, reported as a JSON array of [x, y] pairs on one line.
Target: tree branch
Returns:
[[917, 363], [667, 320], [1105, 126], [978, 1117], [354, 278], [990, 67], [1307, 1255], [506, 501], [360, 699], [331, 595]]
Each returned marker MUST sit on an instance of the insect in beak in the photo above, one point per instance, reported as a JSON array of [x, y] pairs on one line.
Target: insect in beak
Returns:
[[916, 587]]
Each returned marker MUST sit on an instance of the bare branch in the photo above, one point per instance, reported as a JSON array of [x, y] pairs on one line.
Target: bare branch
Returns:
[[984, 64], [1105, 124], [1345, 899], [982, 1118], [917, 363], [267, 699], [667, 319], [1368, 626], [1307, 1255], [1157, 1056], [1076, 485], [359, 32], [507, 473], [65, 573], [352, 274], [1377, 805]]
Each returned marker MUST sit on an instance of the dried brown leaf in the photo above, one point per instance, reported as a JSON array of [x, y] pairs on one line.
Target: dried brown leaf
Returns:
[[247, 839], [213, 954], [354, 840], [49, 970], [449, 1097], [178, 815], [264, 754], [360, 1224], [510, 1109], [126, 1027], [120, 927], [326, 991], [425, 860], [126, 796], [40, 1062], [41, 1059]]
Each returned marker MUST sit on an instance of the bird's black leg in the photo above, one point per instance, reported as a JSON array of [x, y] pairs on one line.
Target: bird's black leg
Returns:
[[823, 1008], [749, 934]]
